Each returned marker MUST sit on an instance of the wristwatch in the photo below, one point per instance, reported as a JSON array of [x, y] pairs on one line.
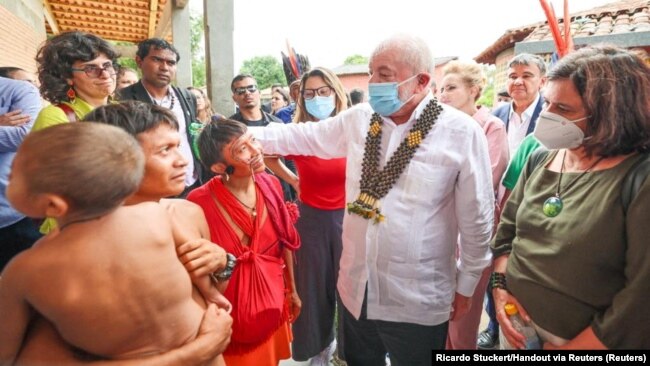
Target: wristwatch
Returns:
[[224, 275]]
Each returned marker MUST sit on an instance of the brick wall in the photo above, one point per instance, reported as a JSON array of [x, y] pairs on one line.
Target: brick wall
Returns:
[[19, 41]]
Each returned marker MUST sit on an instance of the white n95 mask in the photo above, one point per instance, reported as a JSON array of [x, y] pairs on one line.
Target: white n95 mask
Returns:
[[557, 132]]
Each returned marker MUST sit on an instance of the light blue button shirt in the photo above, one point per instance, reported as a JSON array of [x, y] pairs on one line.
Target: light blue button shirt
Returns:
[[14, 94]]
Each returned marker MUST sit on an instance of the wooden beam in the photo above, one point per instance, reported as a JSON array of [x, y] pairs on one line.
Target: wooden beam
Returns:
[[165, 23], [49, 17], [153, 12]]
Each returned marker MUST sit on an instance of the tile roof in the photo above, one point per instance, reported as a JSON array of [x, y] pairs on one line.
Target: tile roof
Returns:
[[620, 17]]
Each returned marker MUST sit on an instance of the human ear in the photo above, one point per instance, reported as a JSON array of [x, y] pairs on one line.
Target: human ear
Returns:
[[138, 61], [218, 168], [56, 206]]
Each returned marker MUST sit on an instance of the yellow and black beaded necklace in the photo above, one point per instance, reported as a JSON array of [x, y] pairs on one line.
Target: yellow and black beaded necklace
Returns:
[[375, 183]]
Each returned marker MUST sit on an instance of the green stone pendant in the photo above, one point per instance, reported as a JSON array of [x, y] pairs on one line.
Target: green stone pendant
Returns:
[[552, 206]]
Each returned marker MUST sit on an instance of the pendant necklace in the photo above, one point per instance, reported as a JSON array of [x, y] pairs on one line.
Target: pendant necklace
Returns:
[[553, 205], [253, 210]]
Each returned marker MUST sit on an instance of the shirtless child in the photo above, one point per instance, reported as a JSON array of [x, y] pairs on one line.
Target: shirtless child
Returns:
[[109, 280]]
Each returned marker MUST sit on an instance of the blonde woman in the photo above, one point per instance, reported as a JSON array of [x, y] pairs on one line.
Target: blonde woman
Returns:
[[461, 87]]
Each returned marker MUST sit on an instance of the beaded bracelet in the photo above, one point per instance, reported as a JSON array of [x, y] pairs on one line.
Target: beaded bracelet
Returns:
[[498, 280]]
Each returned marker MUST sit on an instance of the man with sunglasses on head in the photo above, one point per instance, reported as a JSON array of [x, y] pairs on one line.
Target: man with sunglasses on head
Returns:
[[246, 95], [157, 60]]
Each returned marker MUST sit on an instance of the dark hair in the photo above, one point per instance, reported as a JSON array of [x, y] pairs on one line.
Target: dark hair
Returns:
[[78, 171], [503, 93], [132, 116], [56, 56], [614, 84], [214, 137], [157, 43], [238, 78], [356, 96], [528, 59], [6, 71]]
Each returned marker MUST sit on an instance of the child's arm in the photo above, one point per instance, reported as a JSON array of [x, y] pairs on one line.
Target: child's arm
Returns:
[[295, 304], [15, 311], [44, 346], [202, 258]]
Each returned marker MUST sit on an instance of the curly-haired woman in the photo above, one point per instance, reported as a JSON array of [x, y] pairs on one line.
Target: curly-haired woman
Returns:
[[77, 74]]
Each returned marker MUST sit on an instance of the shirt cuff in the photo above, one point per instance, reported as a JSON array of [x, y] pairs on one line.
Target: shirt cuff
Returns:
[[466, 283]]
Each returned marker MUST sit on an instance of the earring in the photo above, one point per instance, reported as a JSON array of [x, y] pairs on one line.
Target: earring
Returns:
[[227, 177], [71, 94]]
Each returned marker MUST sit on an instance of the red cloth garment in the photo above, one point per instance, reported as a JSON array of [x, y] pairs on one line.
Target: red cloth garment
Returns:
[[322, 181], [256, 288]]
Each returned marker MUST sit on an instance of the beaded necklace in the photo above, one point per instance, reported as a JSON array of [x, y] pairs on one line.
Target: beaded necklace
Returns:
[[375, 183]]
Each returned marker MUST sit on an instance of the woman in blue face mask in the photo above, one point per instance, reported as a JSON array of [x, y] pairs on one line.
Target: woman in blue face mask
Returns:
[[322, 201]]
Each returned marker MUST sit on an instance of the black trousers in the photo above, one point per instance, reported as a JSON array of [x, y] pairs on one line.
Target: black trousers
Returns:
[[15, 238], [366, 342]]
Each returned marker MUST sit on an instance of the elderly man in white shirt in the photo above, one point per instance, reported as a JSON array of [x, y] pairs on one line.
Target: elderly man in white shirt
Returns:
[[418, 175]]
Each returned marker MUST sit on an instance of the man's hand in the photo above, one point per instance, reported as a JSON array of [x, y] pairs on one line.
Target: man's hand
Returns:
[[201, 257], [14, 118], [460, 306]]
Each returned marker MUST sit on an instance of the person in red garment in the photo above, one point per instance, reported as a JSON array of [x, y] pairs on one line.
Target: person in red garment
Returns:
[[247, 216]]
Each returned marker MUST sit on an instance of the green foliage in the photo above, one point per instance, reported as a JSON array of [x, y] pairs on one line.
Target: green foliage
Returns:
[[196, 47], [487, 98], [356, 60], [267, 70], [198, 72], [127, 62]]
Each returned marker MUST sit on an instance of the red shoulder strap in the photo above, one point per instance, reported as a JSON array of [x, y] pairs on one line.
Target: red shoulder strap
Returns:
[[69, 112]]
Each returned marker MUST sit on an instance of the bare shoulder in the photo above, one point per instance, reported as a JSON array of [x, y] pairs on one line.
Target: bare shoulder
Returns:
[[181, 208], [187, 216], [22, 266]]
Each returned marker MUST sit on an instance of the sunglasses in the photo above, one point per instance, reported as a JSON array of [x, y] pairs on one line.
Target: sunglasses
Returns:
[[94, 71], [242, 90]]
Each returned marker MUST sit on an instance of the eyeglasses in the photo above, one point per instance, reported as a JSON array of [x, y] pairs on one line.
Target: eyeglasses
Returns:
[[323, 91], [94, 71], [242, 90]]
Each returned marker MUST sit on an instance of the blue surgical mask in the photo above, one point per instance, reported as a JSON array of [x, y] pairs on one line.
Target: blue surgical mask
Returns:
[[320, 107], [384, 97]]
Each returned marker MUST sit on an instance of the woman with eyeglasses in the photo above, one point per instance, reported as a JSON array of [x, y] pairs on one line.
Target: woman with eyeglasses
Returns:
[[77, 74], [322, 202]]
